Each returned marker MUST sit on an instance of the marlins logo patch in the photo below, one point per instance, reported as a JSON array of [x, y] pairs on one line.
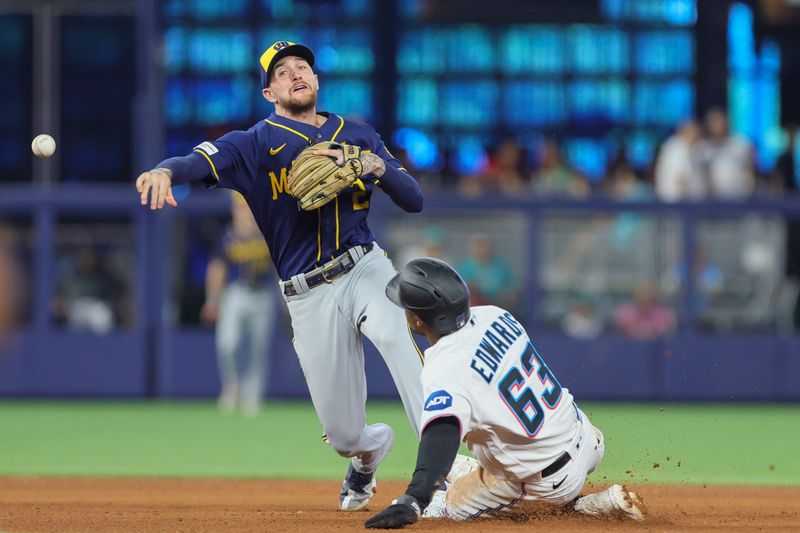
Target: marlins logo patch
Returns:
[[438, 400]]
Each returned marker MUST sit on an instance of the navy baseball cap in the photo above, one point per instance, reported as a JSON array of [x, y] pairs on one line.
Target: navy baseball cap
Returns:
[[278, 51]]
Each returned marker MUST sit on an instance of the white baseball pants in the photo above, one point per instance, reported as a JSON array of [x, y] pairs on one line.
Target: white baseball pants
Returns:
[[328, 323], [479, 492]]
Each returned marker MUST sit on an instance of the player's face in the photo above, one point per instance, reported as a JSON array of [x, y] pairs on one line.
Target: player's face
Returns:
[[293, 86]]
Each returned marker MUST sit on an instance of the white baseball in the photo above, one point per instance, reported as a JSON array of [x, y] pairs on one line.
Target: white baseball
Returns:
[[43, 145]]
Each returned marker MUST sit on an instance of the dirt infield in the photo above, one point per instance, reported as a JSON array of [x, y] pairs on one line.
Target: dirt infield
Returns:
[[32, 504]]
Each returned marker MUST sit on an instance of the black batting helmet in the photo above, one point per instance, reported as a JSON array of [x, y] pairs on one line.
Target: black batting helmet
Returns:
[[433, 291]]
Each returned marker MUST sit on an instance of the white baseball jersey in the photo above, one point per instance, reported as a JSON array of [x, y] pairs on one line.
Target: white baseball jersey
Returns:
[[514, 415]]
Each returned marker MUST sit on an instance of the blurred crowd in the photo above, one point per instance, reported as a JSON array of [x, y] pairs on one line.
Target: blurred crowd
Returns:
[[703, 159], [754, 267], [90, 293], [492, 280]]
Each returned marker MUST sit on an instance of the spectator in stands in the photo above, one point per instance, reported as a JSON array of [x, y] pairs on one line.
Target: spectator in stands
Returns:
[[554, 177], [582, 322], [240, 300], [675, 177], [725, 161], [431, 244], [488, 275], [625, 186], [645, 317], [504, 174], [89, 296]]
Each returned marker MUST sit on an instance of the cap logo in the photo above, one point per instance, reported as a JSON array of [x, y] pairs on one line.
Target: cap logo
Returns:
[[275, 50]]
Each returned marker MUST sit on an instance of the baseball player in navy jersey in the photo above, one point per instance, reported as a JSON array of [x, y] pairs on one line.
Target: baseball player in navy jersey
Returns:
[[240, 299], [332, 271], [485, 384]]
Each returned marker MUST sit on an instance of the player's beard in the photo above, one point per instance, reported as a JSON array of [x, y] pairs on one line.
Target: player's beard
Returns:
[[298, 106]]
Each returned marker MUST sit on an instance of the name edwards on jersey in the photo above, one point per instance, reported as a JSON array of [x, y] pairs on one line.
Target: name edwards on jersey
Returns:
[[498, 338]]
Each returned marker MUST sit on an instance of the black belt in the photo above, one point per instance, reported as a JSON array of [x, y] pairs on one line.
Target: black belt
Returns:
[[343, 264], [557, 465]]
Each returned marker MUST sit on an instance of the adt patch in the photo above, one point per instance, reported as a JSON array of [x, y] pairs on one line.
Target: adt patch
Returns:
[[438, 400]]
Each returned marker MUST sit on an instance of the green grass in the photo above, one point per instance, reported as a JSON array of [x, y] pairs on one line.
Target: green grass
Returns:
[[730, 444], [719, 444]]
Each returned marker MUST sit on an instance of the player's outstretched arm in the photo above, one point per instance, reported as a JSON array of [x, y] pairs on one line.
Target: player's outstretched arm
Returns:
[[157, 185], [437, 451]]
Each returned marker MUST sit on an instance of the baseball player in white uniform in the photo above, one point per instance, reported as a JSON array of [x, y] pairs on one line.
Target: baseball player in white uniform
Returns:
[[485, 384]]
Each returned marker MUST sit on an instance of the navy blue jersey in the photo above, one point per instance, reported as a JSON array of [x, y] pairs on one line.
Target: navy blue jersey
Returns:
[[256, 163], [246, 258]]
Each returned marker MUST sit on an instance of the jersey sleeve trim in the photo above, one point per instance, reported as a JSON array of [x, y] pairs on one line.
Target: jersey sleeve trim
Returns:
[[213, 168], [444, 415], [287, 128]]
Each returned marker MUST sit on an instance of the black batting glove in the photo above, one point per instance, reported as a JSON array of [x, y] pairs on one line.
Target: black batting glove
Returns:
[[404, 511]]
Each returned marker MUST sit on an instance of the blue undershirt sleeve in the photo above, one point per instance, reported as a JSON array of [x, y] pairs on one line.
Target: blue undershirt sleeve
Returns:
[[189, 169]]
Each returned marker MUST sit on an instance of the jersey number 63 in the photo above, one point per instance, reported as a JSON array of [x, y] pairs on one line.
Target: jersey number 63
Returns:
[[521, 399]]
